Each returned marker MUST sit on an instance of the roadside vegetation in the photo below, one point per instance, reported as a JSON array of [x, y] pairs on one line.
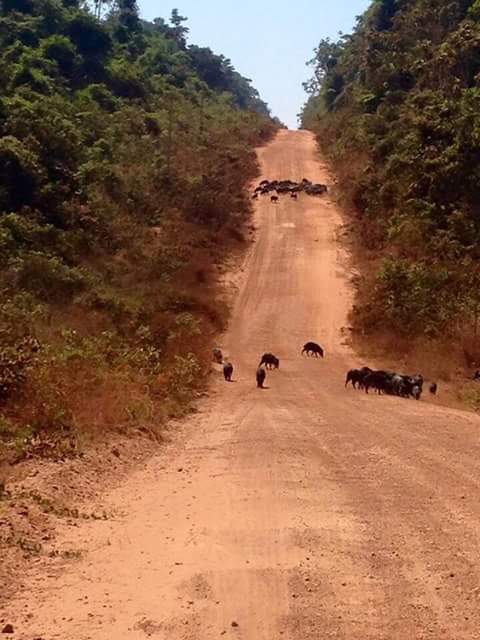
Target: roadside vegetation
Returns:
[[124, 153], [396, 106]]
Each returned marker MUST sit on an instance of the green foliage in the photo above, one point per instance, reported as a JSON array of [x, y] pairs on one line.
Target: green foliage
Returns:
[[90, 37], [416, 297], [16, 358], [128, 20], [22, 6], [62, 51], [397, 106], [184, 375], [19, 174], [48, 277], [124, 152]]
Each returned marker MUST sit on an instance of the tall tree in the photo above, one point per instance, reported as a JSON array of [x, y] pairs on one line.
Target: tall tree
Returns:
[[128, 20], [179, 31], [385, 11]]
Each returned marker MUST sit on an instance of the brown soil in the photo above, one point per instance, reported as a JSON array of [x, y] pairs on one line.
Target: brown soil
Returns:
[[301, 512]]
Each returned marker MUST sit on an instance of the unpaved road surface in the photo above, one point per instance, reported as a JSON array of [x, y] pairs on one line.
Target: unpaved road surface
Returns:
[[302, 512]]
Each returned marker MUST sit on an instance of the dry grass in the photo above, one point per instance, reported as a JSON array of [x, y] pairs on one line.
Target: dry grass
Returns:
[[437, 361], [70, 402]]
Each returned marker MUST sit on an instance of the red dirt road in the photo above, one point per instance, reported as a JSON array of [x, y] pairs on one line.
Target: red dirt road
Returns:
[[302, 512]]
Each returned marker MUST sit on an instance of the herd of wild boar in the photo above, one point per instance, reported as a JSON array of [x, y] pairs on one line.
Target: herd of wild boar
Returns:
[[267, 361], [391, 383], [275, 188], [383, 382]]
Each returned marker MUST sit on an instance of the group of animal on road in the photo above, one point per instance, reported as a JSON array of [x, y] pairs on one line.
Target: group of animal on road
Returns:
[[396, 384], [267, 361], [391, 383], [288, 187]]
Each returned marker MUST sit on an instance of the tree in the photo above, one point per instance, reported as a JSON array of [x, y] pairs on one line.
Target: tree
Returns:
[[19, 174], [325, 60], [89, 36], [178, 31], [63, 51], [22, 6], [385, 11], [99, 7], [128, 20]]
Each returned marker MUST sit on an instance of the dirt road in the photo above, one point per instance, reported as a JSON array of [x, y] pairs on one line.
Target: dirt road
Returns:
[[302, 512]]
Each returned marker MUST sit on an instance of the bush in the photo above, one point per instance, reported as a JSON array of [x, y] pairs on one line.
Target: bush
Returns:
[[415, 298], [183, 376], [47, 277], [15, 362], [62, 51], [19, 174]]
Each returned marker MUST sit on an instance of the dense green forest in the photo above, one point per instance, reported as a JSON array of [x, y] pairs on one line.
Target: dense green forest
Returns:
[[396, 105], [124, 152]]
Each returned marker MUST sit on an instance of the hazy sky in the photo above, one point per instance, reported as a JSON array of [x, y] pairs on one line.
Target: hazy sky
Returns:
[[268, 41]]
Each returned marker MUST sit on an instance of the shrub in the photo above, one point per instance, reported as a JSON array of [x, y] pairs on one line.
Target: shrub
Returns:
[[183, 376], [62, 51], [15, 361], [415, 298], [19, 174], [47, 277]]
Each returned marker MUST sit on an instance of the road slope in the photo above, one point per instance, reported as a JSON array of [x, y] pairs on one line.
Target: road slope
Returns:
[[301, 512]]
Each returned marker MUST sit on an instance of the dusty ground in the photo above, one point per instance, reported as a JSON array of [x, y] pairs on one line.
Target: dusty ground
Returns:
[[303, 512]]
